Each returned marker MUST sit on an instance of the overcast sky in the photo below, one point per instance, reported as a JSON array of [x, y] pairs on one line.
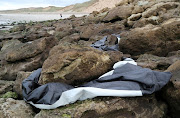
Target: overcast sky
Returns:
[[16, 4]]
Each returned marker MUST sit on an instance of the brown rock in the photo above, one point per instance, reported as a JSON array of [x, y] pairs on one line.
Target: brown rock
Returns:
[[108, 107], [18, 83], [174, 56], [24, 57], [6, 86], [11, 108], [155, 20], [134, 17], [74, 38], [171, 29], [10, 36], [123, 2], [49, 28], [119, 13], [138, 9], [73, 64], [17, 28], [101, 29], [61, 34], [171, 92], [90, 30], [96, 16], [64, 25], [9, 43], [78, 21], [72, 16], [154, 62], [154, 12], [152, 39], [26, 50], [32, 27], [95, 38], [157, 8], [174, 53], [35, 35], [63, 29], [150, 64]]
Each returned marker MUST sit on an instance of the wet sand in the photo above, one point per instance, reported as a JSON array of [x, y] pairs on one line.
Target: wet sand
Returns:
[[6, 19]]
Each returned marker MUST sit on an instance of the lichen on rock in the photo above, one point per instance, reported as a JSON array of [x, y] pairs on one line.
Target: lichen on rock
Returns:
[[9, 95]]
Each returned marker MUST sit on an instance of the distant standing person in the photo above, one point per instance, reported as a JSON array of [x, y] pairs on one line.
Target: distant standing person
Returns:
[[61, 15]]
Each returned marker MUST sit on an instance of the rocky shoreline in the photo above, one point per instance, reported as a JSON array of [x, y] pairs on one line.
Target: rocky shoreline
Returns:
[[150, 34]]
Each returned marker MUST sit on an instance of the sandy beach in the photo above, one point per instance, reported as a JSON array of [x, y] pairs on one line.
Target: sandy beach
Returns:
[[7, 19]]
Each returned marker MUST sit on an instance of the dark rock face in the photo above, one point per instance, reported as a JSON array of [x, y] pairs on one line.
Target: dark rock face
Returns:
[[171, 92], [108, 107], [17, 56], [73, 64]]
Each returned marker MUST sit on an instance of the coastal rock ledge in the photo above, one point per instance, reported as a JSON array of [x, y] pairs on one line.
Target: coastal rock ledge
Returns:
[[110, 107]]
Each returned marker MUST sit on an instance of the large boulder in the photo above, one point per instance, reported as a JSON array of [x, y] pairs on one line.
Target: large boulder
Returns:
[[10, 108], [73, 64], [17, 56], [109, 107], [171, 92], [119, 13], [157, 40], [25, 50]]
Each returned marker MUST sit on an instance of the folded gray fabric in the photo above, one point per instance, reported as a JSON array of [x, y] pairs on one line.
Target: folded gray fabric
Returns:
[[126, 81], [102, 45]]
